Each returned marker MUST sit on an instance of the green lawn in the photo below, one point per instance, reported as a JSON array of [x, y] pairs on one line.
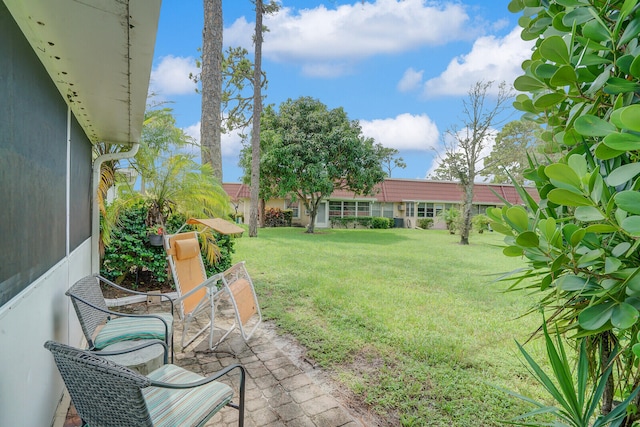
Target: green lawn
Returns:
[[409, 320]]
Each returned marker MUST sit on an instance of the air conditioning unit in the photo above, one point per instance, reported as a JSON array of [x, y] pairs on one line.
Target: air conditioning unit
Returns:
[[401, 207]]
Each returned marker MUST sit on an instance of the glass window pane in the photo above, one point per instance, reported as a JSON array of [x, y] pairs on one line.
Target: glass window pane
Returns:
[[348, 209], [335, 209], [387, 210], [294, 206], [410, 209], [363, 209], [376, 209], [429, 210]]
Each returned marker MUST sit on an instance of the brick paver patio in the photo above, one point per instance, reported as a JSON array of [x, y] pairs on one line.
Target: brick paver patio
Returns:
[[278, 393]]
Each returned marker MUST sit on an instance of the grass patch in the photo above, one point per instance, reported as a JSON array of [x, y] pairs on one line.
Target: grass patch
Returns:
[[407, 319]]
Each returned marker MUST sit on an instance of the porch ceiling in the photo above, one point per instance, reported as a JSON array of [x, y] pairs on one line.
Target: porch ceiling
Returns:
[[99, 55]]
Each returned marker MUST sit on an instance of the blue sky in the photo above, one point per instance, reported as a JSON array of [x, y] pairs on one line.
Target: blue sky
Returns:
[[400, 67]]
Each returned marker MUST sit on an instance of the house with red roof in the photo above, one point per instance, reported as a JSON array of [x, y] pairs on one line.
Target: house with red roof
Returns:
[[405, 200]]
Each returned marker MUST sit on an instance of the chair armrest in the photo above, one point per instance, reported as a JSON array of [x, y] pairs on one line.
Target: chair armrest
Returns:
[[145, 344], [207, 380], [116, 313], [131, 291]]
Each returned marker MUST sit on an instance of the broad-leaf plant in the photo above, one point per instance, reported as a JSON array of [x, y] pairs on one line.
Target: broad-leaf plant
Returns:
[[581, 239]]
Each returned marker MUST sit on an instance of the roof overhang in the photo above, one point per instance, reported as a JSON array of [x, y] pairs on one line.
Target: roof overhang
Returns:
[[99, 55]]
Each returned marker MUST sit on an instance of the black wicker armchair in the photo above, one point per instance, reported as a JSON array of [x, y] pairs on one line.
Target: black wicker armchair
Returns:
[[92, 311], [110, 395]]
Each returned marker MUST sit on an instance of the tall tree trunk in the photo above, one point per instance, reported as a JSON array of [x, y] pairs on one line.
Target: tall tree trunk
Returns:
[[466, 213], [255, 134], [312, 207], [263, 204], [211, 78]]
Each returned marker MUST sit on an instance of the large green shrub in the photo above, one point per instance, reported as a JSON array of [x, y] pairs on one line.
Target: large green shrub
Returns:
[[276, 217], [580, 240], [129, 254], [425, 223], [361, 221], [381, 222], [481, 223]]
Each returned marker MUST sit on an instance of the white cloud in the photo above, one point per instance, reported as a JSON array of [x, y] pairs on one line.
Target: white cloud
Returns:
[[171, 76], [404, 132], [231, 143], [349, 33], [490, 59], [450, 142], [411, 80]]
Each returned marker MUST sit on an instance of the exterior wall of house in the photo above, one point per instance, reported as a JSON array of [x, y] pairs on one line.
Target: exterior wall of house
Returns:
[[406, 201], [412, 212], [45, 175]]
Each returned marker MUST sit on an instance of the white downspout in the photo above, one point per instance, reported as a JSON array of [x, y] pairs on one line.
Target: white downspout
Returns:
[[95, 211]]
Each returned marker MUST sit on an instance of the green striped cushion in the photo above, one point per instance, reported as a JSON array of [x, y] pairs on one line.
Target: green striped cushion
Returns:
[[186, 407], [132, 328]]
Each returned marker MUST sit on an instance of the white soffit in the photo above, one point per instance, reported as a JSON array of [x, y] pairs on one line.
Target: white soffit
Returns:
[[99, 54]]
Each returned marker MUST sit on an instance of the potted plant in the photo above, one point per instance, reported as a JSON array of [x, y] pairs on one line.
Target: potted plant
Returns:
[[155, 234]]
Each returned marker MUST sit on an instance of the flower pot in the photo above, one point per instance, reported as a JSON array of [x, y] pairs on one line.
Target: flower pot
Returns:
[[155, 239]]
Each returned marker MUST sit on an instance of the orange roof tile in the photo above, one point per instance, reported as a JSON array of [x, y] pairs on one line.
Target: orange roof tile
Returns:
[[403, 190]]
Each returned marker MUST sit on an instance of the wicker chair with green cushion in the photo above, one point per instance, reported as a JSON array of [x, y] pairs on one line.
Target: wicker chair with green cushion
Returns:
[[92, 311], [107, 394]]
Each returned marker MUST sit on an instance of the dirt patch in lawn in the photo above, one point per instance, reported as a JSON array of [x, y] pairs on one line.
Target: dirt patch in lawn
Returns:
[[363, 364]]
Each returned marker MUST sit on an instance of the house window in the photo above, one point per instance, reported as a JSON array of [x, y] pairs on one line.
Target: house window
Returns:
[[340, 209], [335, 209], [294, 206], [348, 208], [482, 209], [364, 208], [382, 209], [409, 208]]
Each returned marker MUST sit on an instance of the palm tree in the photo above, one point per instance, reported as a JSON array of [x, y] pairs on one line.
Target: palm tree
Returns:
[[181, 186], [159, 134]]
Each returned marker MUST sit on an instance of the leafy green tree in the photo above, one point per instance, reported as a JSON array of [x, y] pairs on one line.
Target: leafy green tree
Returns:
[[580, 240], [509, 157], [449, 167], [310, 151], [389, 159]]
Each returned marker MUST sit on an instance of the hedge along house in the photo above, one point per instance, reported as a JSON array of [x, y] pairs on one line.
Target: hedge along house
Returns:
[[404, 200], [71, 74]]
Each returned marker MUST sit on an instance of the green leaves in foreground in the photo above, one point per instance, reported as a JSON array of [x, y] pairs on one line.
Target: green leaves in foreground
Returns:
[[576, 398]]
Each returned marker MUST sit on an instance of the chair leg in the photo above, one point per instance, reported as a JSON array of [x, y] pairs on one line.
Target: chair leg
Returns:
[[242, 391], [172, 346], [240, 405]]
